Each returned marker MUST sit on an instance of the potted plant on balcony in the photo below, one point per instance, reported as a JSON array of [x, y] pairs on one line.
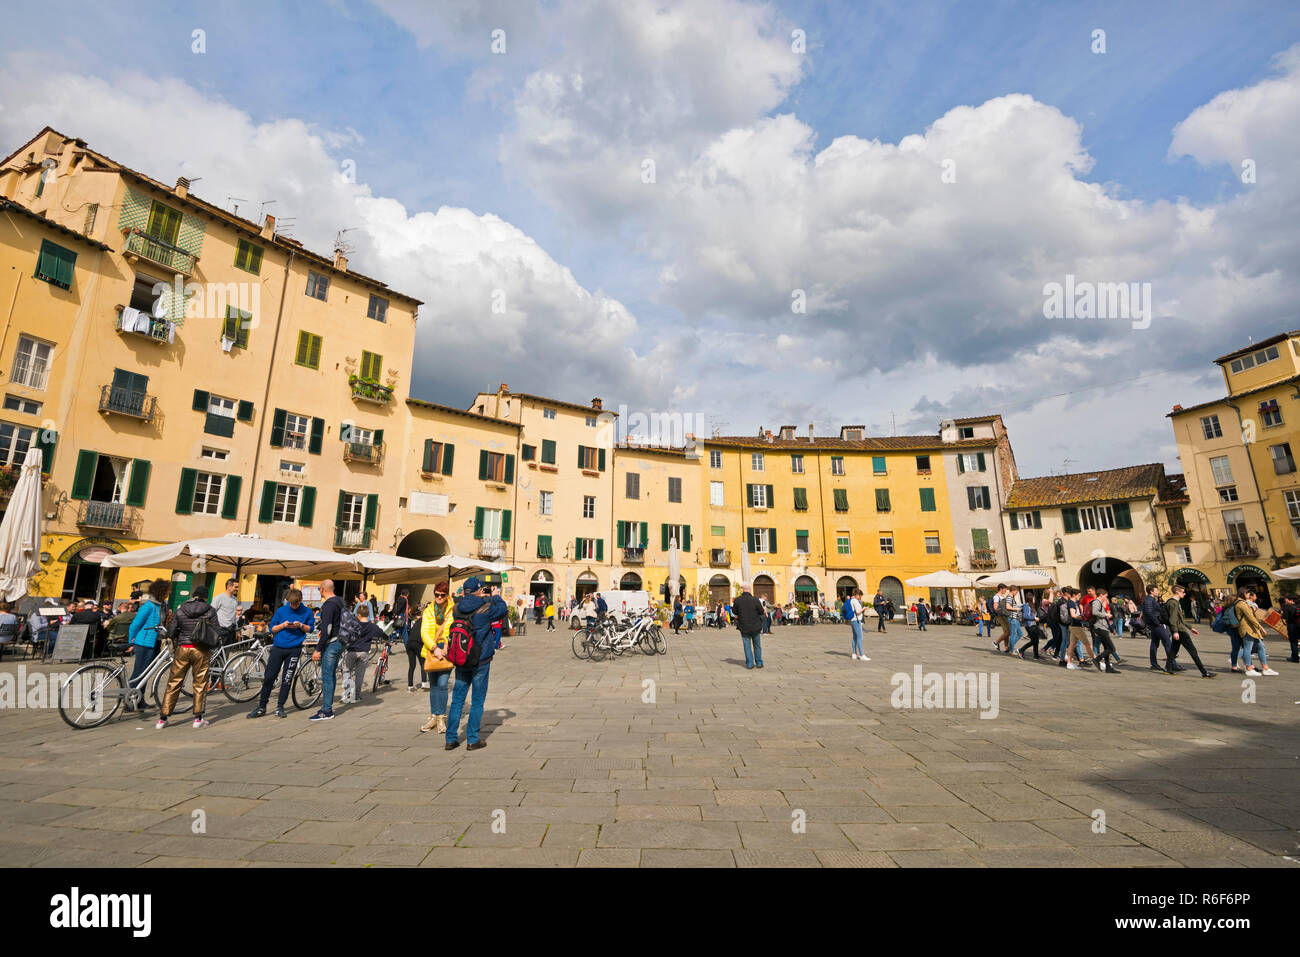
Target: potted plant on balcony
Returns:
[[8, 479], [370, 388]]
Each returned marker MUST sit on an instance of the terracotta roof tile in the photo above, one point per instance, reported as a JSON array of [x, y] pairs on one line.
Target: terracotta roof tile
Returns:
[[1135, 481], [890, 443]]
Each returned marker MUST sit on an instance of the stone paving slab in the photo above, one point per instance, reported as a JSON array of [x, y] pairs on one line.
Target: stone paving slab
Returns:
[[806, 763]]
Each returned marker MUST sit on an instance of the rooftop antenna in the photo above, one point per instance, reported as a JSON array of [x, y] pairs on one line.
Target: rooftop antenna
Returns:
[[340, 244], [1065, 465], [718, 425], [261, 213], [894, 422], [235, 210]]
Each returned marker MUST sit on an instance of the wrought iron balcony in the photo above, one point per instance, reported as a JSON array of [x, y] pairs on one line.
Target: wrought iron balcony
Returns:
[[363, 452], [156, 251], [719, 558], [352, 538], [107, 515], [491, 548], [370, 391], [152, 328], [634, 555], [1239, 548], [1176, 534], [983, 558], [138, 405]]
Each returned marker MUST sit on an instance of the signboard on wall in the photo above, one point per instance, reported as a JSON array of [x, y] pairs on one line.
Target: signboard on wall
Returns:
[[426, 503]]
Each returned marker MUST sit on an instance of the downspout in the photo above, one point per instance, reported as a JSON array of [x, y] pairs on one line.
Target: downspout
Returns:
[[266, 394], [821, 511]]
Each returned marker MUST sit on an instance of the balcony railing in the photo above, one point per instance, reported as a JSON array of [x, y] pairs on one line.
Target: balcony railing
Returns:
[[634, 555], [147, 327], [363, 452], [490, 548], [370, 391], [352, 538], [1176, 534], [157, 251], [719, 558], [1236, 548], [983, 558], [138, 405], [107, 515]]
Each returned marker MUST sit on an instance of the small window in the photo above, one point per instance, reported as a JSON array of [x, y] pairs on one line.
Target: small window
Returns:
[[837, 465], [545, 501], [55, 264], [372, 365], [1221, 469], [674, 490], [1228, 493], [715, 494], [1184, 554], [296, 428], [548, 413], [285, 509], [15, 403], [878, 465], [843, 544], [591, 421], [248, 257], [587, 458], [923, 463], [966, 432], [31, 363], [796, 464], [236, 327], [378, 309], [932, 543], [588, 506], [221, 416], [756, 461], [308, 353], [216, 455], [494, 466], [718, 530], [1031, 556], [1283, 463], [207, 493], [1270, 413], [1210, 426], [715, 459], [294, 468], [633, 485], [15, 440], [528, 452], [318, 285], [801, 541], [886, 543]]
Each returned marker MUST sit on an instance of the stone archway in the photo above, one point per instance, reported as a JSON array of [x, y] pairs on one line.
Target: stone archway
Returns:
[[892, 589], [719, 590], [1116, 576], [422, 545], [765, 587]]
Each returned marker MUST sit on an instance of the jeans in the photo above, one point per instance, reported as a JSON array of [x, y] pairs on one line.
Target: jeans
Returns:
[[438, 691], [979, 627], [354, 673], [1250, 644], [753, 649], [1015, 634], [1236, 646], [143, 659], [329, 660], [279, 658], [1160, 636], [473, 680], [1119, 626], [855, 637]]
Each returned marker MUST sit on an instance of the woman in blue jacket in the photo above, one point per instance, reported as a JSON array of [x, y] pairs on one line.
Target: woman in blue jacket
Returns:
[[146, 626]]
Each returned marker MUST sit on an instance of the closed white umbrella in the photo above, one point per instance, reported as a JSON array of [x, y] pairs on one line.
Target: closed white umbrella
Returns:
[[240, 554], [745, 574], [20, 532], [1015, 578], [674, 567]]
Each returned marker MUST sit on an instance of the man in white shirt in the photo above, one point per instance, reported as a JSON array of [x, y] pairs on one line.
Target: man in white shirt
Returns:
[[226, 606]]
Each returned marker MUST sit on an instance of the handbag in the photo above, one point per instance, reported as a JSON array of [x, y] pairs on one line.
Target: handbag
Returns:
[[433, 663]]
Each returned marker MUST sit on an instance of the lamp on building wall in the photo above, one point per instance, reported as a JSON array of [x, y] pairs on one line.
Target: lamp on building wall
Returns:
[[397, 537]]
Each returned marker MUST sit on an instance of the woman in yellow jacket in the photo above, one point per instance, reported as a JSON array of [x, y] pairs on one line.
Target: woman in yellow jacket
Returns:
[[435, 626]]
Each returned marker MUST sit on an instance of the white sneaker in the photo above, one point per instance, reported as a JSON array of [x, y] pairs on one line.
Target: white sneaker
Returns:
[[424, 686], [200, 723], [1072, 666], [863, 658], [853, 656], [1269, 671], [1252, 672]]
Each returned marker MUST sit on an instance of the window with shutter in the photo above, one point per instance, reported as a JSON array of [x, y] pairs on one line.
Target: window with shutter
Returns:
[[1070, 518], [548, 452], [248, 257], [55, 264], [842, 499], [882, 500], [308, 353], [372, 364], [237, 326], [801, 499], [927, 500]]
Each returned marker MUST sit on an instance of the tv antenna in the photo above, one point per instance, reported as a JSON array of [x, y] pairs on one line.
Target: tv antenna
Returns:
[[235, 210], [261, 213], [341, 245]]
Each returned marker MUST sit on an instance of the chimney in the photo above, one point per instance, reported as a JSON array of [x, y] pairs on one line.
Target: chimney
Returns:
[[1178, 408], [811, 437], [502, 389], [182, 186], [340, 261], [596, 404], [268, 227]]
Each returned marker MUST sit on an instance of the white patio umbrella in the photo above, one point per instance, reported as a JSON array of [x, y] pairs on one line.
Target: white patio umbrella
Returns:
[[20, 532], [380, 568], [674, 567], [1287, 574], [745, 574], [1015, 578], [941, 580], [441, 569], [236, 553]]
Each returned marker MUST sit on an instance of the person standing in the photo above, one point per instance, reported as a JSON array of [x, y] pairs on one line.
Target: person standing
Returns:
[[145, 630], [485, 610], [226, 606], [922, 614], [402, 614], [677, 616], [413, 642], [435, 624], [329, 648], [853, 612], [550, 616], [749, 619], [356, 635], [1252, 634], [878, 604], [1181, 631], [690, 615], [289, 627], [1291, 616], [188, 655]]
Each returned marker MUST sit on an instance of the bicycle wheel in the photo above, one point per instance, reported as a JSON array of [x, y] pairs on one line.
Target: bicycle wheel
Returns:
[[580, 644], [599, 647], [660, 642], [307, 685], [242, 678], [184, 700], [381, 671], [91, 695]]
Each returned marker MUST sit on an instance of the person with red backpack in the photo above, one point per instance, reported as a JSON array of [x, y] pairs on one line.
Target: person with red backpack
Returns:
[[474, 634]]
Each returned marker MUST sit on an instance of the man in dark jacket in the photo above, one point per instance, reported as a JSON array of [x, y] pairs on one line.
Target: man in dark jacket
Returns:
[[878, 603], [484, 609], [329, 648], [188, 655], [1182, 632], [748, 614], [1158, 631]]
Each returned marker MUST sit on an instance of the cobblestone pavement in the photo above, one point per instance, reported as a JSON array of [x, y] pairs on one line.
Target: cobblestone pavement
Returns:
[[803, 763]]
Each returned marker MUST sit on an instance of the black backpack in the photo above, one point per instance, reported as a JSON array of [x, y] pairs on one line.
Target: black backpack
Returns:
[[206, 635], [1053, 616]]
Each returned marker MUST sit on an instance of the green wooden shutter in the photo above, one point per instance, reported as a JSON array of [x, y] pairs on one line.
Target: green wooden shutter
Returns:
[[1011, 518], [267, 509], [600, 548], [600, 460], [577, 549], [927, 500], [428, 455], [139, 485], [510, 469], [961, 463], [878, 464], [338, 512], [1070, 516], [478, 522], [317, 436], [980, 538], [645, 534], [447, 451], [200, 401], [1038, 519], [581, 463], [620, 530], [304, 349], [230, 506], [84, 477], [543, 546], [45, 440], [379, 438], [1123, 517], [244, 413], [980, 458], [372, 511], [185, 493], [277, 429], [482, 464], [882, 500], [749, 494], [548, 451], [771, 541], [801, 499], [771, 497], [685, 543], [307, 506], [505, 525], [663, 536]]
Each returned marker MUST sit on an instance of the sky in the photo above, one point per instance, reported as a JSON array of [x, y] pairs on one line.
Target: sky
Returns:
[[763, 214]]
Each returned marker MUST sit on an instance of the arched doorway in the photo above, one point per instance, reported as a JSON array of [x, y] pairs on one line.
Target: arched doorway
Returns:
[[892, 589], [681, 589], [542, 583], [845, 587], [1119, 578], [765, 587], [85, 577], [585, 585], [805, 589], [719, 590], [630, 582], [422, 545], [1197, 584], [1254, 578]]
